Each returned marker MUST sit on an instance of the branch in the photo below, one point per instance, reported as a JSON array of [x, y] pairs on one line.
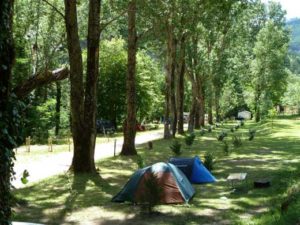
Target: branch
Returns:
[[104, 25], [40, 80], [55, 9], [143, 34]]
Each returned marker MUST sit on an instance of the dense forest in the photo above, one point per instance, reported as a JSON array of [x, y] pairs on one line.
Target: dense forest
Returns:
[[139, 61]]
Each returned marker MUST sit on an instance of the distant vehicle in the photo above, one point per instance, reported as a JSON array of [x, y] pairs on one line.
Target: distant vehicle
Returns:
[[105, 127]]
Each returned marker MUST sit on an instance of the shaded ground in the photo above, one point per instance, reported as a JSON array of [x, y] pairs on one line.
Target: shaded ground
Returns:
[[274, 154], [59, 161]]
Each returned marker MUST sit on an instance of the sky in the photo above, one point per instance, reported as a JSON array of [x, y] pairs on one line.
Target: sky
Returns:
[[292, 7]]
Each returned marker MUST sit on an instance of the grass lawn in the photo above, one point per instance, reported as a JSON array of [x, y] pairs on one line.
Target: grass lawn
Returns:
[[274, 154]]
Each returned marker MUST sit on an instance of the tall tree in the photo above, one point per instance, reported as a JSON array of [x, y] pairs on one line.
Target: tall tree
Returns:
[[128, 147], [83, 100], [7, 142]]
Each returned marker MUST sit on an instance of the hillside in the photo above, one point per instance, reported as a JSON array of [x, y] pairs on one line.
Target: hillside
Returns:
[[294, 24]]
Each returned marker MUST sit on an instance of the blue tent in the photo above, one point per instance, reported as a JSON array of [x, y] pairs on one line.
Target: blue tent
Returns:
[[175, 186], [194, 170]]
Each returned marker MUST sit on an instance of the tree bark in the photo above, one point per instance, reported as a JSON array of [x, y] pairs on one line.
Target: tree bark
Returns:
[[210, 113], [57, 108], [128, 147], [90, 100], [172, 86], [83, 103], [7, 57], [217, 105], [180, 86], [201, 98], [197, 115], [39, 80]]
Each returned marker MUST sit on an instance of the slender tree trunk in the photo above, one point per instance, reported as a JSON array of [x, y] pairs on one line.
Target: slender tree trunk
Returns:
[[172, 87], [191, 122], [180, 86], [197, 116], [210, 113], [201, 105], [6, 63], [130, 128], [90, 100], [57, 108], [217, 105]]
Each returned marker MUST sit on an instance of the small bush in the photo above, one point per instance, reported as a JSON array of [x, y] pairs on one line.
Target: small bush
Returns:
[[232, 129], [237, 126], [189, 139], [236, 141], [221, 136], [151, 195], [209, 129], [225, 148], [176, 148], [209, 161], [242, 123], [140, 161], [252, 133], [202, 132]]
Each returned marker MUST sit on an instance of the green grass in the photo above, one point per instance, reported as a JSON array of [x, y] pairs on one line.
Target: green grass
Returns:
[[274, 153]]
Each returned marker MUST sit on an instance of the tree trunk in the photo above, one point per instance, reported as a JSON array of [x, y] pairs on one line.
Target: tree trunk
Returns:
[[201, 105], [197, 115], [90, 99], [83, 107], [210, 113], [128, 147], [180, 86], [57, 108], [39, 80], [217, 105], [191, 122], [6, 62], [172, 87]]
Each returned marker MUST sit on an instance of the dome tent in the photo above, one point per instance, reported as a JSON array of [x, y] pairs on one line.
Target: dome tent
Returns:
[[174, 185], [194, 170]]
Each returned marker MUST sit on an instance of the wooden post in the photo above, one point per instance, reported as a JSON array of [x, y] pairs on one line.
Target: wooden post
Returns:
[[115, 146], [28, 140], [50, 147]]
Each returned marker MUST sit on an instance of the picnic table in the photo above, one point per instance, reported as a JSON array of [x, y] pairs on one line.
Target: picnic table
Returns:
[[236, 177]]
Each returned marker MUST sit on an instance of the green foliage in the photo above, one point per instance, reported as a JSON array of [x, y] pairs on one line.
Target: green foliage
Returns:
[[221, 136], [236, 141], [232, 129], [251, 134], [189, 139], [151, 195], [10, 138], [209, 161], [140, 162], [112, 84], [225, 148], [24, 177], [209, 129], [202, 131], [237, 126], [176, 148]]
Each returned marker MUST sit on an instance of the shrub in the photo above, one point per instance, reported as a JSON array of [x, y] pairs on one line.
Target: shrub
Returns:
[[202, 132], [236, 141], [242, 123], [209, 129], [221, 136], [189, 139], [140, 161], [237, 126], [232, 129], [209, 161], [176, 148], [252, 133], [151, 195], [225, 148]]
